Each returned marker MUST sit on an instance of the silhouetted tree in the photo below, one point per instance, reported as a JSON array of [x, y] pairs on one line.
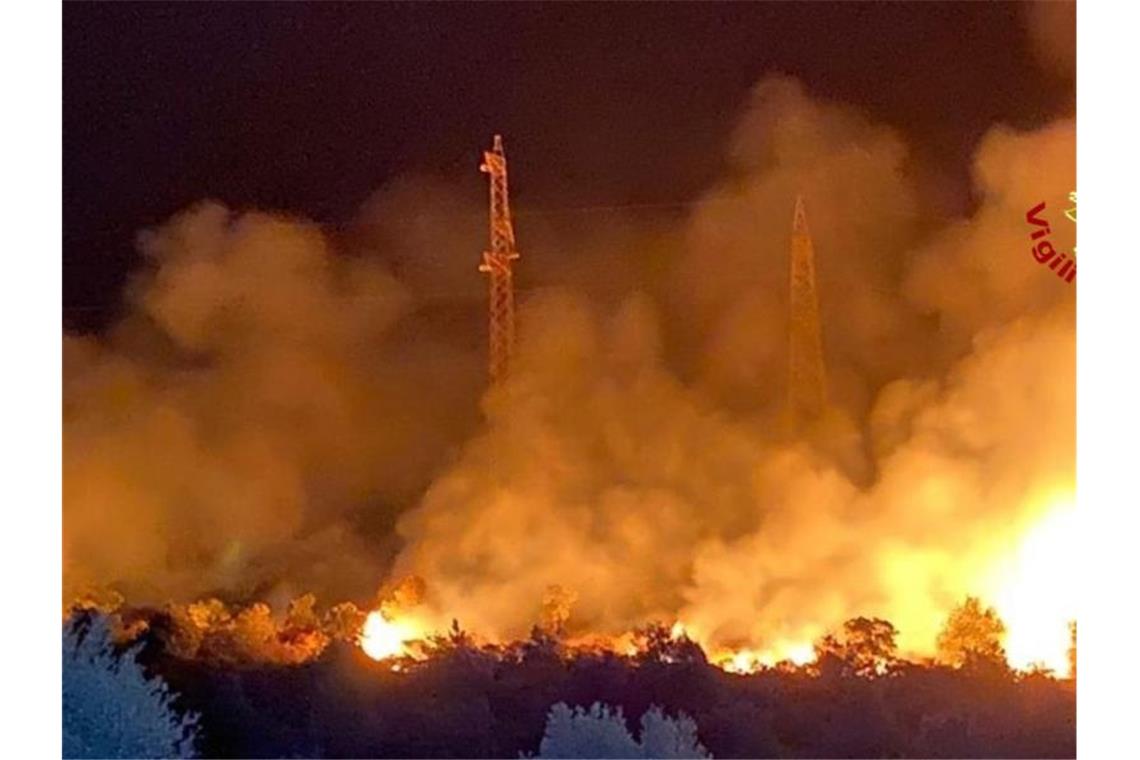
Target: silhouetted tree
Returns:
[[464, 700], [557, 603], [455, 640], [865, 647], [656, 644], [972, 636]]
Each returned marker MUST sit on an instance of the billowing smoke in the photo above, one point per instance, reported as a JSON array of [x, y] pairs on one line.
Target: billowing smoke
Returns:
[[951, 352], [260, 412], [279, 411]]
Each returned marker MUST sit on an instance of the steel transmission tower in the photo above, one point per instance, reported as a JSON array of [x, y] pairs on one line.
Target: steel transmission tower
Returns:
[[807, 382], [497, 263]]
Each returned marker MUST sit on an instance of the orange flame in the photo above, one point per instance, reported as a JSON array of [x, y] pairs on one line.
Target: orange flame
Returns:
[[383, 639], [1035, 590]]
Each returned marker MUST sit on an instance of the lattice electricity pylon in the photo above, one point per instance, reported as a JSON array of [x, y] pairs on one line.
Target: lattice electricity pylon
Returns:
[[497, 263], [807, 381]]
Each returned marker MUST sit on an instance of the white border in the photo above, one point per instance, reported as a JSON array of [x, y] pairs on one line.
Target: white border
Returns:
[[1107, 380], [30, 54], [30, 133]]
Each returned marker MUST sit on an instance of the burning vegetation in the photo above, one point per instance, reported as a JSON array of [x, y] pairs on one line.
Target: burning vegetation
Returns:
[[372, 686], [396, 635]]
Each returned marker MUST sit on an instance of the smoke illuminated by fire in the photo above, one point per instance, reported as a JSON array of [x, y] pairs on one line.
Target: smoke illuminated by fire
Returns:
[[275, 416]]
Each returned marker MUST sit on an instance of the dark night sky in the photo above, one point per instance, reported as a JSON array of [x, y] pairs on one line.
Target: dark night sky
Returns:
[[309, 107]]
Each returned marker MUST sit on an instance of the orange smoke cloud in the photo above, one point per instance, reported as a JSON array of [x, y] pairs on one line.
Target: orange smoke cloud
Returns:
[[226, 433], [601, 473], [272, 405]]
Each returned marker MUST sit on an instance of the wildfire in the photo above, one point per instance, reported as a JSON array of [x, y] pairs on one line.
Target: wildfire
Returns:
[[749, 661], [1030, 585], [746, 660], [800, 654], [382, 639], [1035, 590]]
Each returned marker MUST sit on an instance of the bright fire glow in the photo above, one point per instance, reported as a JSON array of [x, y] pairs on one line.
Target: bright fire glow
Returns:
[[800, 654], [742, 662], [1033, 587], [382, 638], [746, 660], [1035, 590], [750, 660]]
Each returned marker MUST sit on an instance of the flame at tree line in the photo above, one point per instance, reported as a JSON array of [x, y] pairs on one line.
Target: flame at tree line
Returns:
[[1036, 602], [1037, 606], [271, 405], [381, 638], [1035, 597], [1035, 590]]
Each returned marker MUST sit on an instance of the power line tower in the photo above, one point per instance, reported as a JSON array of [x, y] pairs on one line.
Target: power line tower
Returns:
[[807, 382], [497, 263]]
